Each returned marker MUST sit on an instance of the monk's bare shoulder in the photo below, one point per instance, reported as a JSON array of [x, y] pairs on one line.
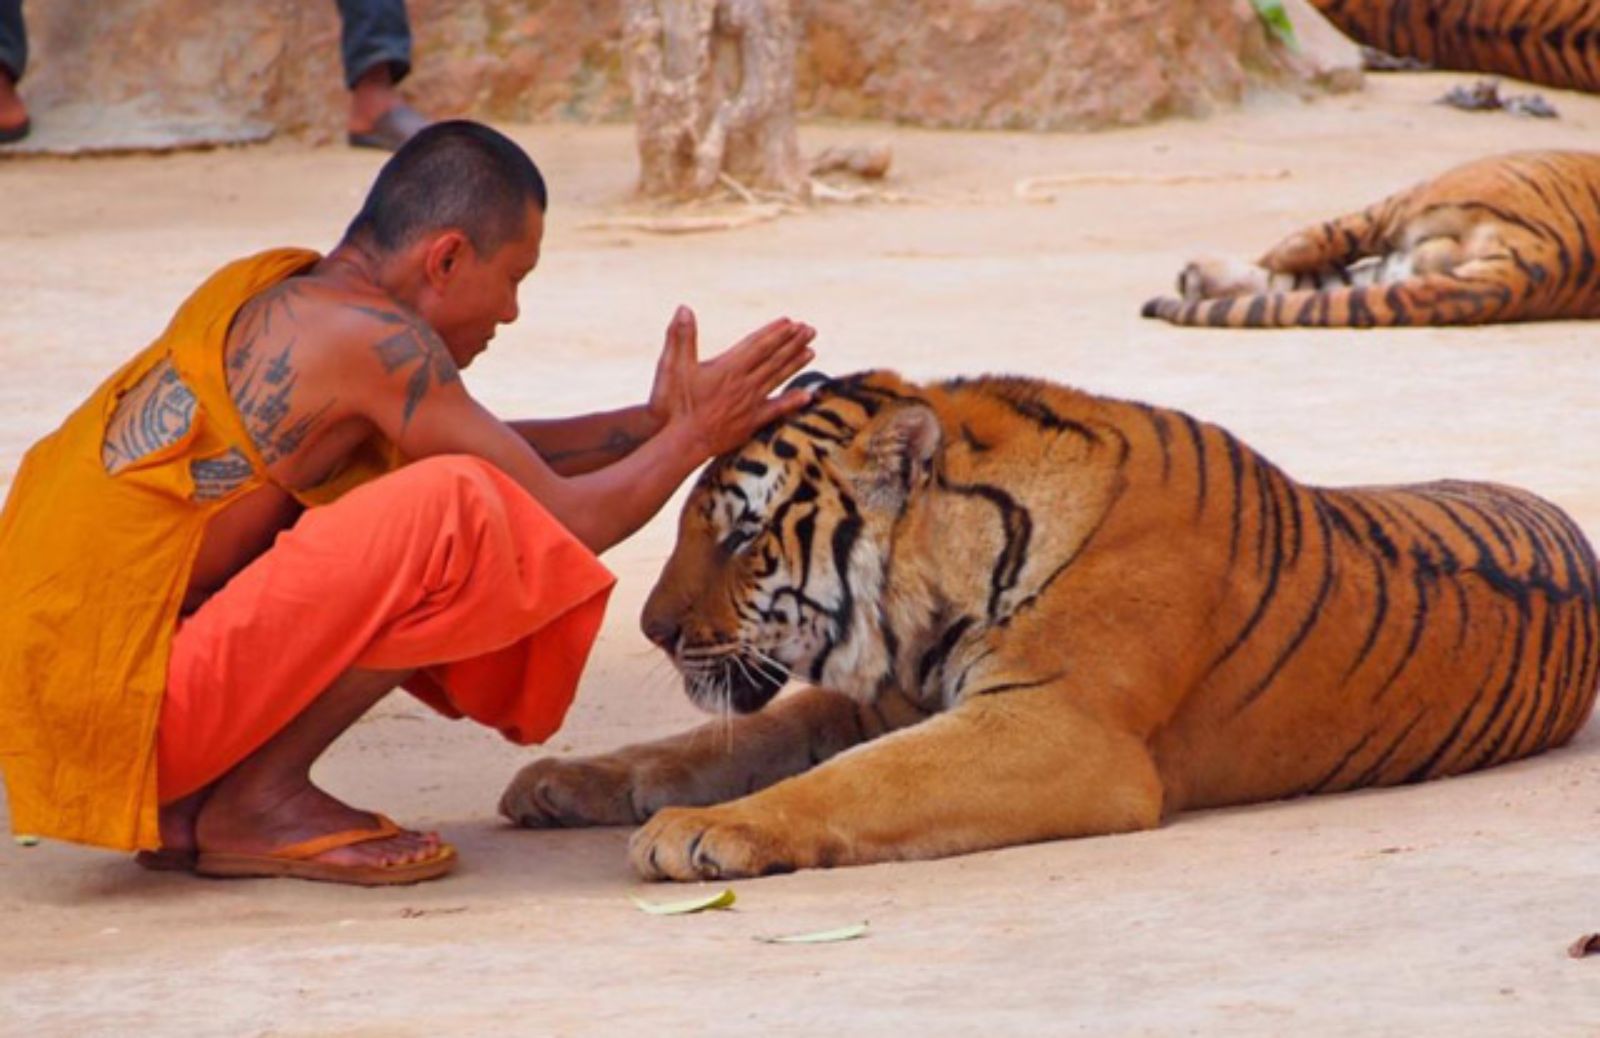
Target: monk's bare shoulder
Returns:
[[306, 354], [410, 353]]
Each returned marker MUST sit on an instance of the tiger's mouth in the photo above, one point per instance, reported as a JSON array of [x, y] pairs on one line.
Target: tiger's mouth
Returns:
[[722, 677]]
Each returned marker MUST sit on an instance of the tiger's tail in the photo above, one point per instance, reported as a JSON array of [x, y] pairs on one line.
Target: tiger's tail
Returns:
[[1429, 299]]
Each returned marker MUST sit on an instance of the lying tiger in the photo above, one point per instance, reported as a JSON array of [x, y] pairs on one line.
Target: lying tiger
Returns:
[[1507, 238], [1554, 42], [1030, 613]]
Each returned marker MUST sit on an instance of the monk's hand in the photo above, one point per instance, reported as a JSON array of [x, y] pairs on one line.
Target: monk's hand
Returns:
[[724, 400]]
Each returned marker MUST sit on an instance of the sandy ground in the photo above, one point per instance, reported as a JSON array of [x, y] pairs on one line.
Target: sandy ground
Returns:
[[1441, 909]]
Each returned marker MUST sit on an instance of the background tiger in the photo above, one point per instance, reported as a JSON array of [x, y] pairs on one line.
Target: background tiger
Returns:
[[1082, 615], [1556, 42], [1506, 238]]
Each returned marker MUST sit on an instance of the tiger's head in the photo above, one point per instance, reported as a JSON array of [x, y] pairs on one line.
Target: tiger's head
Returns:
[[784, 545]]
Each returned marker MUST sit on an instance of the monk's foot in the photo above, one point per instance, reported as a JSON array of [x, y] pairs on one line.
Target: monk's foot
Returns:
[[242, 819]]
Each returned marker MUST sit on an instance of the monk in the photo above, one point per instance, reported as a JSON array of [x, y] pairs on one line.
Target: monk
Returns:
[[290, 504]]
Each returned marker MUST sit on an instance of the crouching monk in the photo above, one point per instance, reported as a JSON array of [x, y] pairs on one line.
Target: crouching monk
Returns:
[[289, 504]]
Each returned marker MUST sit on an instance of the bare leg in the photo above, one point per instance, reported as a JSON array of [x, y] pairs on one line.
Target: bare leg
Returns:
[[267, 801], [372, 96]]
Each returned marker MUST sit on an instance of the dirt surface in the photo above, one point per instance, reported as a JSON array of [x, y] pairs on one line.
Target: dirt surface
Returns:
[[1437, 909]]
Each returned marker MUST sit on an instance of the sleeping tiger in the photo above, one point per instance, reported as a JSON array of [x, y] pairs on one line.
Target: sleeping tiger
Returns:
[[1030, 613], [1506, 238], [1554, 42]]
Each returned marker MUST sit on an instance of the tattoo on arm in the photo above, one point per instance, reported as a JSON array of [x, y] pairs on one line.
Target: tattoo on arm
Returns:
[[410, 341], [619, 443]]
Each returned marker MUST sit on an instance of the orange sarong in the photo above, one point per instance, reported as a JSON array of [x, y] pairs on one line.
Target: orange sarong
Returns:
[[446, 565], [94, 566]]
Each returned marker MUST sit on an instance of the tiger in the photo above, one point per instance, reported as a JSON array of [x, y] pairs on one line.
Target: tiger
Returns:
[[1553, 42], [1003, 611], [1506, 238]]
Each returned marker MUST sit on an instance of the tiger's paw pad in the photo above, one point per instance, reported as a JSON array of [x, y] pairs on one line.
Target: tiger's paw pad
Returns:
[[705, 843], [553, 793]]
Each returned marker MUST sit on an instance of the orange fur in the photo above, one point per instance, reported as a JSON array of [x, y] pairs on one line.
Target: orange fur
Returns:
[[1555, 42], [1031, 613], [1507, 238]]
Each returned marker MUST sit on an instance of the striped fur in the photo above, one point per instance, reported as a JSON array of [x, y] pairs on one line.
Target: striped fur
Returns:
[[1554, 42], [1106, 612], [1507, 238]]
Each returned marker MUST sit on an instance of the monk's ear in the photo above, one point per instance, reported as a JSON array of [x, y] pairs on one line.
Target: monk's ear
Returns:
[[897, 460], [443, 255]]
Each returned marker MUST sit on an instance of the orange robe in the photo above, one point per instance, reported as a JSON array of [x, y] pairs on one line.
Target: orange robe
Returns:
[[93, 570]]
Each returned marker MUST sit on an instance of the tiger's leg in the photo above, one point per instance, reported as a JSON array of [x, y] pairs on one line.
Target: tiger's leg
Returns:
[[706, 765], [1002, 769], [1479, 291], [1317, 257]]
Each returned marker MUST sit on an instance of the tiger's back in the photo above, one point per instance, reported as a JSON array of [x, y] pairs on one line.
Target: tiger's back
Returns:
[[1554, 42], [1386, 635], [1348, 637]]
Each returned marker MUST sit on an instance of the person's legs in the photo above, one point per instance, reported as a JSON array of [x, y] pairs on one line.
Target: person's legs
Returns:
[[375, 44], [268, 801], [445, 564], [13, 62]]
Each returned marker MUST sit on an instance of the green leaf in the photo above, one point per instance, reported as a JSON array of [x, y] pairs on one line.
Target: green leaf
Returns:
[[1276, 20], [724, 899], [843, 933]]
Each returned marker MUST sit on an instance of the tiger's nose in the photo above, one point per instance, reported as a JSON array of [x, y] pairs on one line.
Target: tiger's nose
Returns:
[[663, 632]]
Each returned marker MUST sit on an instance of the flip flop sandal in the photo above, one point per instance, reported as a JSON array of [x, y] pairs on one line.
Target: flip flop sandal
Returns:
[[16, 133], [393, 128], [298, 861]]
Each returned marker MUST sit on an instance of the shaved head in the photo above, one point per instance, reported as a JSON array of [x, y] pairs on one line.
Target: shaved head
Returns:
[[458, 175]]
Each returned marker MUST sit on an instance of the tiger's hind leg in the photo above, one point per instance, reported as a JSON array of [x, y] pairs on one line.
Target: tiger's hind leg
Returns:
[[1348, 250], [706, 765], [998, 770]]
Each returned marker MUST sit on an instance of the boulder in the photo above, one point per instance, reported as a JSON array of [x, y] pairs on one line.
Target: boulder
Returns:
[[1019, 64]]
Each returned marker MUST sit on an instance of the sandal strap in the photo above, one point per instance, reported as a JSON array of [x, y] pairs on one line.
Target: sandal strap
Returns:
[[319, 845]]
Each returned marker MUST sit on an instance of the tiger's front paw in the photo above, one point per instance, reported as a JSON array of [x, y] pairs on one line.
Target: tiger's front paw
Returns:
[[713, 843], [551, 793]]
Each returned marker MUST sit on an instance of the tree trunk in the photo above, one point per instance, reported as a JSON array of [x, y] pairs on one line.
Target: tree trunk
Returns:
[[713, 93]]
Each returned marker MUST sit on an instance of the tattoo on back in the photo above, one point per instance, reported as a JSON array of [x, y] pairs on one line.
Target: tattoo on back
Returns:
[[262, 377], [411, 341], [216, 478], [154, 414]]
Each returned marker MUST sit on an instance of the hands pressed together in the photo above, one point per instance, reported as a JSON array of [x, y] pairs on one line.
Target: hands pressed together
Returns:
[[723, 401]]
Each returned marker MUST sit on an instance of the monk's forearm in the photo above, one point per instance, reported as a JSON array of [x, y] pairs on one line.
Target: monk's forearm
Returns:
[[609, 504], [574, 446]]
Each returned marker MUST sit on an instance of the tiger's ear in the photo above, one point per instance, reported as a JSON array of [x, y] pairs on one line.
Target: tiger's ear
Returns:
[[898, 458]]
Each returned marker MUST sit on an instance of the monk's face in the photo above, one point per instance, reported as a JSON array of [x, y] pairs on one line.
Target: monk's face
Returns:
[[478, 293]]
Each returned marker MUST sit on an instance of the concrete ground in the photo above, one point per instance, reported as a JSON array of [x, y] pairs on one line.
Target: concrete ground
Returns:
[[1430, 910]]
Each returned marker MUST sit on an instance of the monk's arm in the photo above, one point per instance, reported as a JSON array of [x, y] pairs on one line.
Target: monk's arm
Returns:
[[573, 446], [407, 385]]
